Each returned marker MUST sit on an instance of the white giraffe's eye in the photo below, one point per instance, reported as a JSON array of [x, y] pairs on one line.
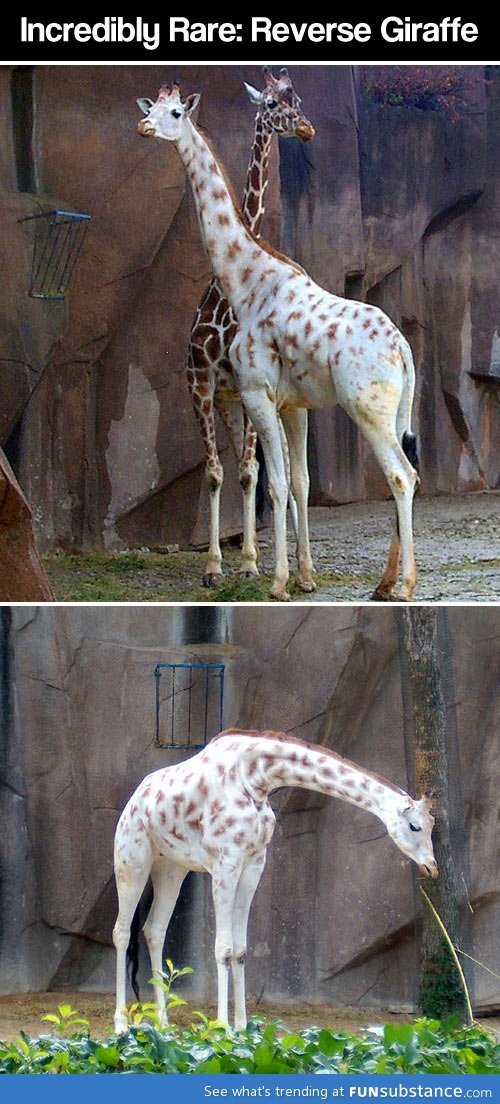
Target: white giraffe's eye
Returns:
[[414, 828], [176, 113]]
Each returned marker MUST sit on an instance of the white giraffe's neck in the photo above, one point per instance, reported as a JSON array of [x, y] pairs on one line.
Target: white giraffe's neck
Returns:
[[237, 259], [272, 764]]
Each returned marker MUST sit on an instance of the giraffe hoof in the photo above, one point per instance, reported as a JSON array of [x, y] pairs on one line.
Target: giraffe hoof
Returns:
[[212, 579], [280, 596], [244, 573], [382, 594], [307, 585]]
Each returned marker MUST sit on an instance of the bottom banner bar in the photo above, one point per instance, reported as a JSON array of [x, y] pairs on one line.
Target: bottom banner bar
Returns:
[[198, 1088]]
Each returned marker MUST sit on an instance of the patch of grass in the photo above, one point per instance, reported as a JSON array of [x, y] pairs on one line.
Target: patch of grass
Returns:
[[152, 577], [467, 565], [111, 577]]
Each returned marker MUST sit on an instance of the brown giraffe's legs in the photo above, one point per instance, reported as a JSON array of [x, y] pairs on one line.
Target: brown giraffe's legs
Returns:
[[201, 384], [243, 439]]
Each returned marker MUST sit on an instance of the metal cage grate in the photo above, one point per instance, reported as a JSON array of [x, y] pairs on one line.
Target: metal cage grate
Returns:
[[189, 703], [59, 236]]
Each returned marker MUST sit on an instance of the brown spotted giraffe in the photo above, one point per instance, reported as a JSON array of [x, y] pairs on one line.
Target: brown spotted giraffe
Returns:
[[298, 347], [210, 378], [212, 813]]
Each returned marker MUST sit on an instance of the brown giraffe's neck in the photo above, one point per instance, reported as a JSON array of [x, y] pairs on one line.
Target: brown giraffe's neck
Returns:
[[257, 178], [238, 261]]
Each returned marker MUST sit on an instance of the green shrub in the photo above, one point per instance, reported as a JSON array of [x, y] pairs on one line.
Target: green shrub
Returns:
[[426, 1046]]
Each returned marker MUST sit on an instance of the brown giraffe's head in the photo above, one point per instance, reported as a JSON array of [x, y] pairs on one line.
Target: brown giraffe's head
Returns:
[[411, 829], [279, 106], [165, 118]]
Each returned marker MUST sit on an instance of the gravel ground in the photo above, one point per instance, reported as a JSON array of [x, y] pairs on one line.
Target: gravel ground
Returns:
[[457, 547], [457, 541]]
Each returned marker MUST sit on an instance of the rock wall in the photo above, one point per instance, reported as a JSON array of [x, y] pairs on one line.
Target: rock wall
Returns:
[[333, 918], [395, 204]]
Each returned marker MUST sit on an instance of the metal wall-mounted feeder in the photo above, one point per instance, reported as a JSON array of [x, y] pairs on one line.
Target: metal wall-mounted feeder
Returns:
[[189, 703], [59, 236]]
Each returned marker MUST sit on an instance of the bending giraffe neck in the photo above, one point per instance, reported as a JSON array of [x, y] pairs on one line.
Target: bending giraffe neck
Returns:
[[257, 178], [238, 261], [274, 762]]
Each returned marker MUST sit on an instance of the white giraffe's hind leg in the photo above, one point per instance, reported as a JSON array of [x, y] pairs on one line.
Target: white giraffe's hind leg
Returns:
[[384, 590], [402, 479]]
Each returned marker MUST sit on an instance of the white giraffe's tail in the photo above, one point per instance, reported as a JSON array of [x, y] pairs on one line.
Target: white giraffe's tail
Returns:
[[407, 438]]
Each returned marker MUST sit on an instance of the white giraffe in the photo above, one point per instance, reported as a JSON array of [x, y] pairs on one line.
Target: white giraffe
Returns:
[[212, 813], [298, 347]]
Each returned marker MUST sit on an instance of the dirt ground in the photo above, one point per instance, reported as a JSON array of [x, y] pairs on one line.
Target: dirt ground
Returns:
[[24, 1012], [457, 547]]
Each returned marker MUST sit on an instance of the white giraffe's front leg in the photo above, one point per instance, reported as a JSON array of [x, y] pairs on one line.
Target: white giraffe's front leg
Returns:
[[224, 884], [296, 424], [262, 411], [247, 885], [292, 505]]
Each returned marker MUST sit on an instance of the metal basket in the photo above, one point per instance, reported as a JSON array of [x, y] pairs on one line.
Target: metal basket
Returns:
[[59, 236], [189, 705]]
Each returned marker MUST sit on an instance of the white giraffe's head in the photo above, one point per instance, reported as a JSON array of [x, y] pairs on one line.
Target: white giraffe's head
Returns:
[[411, 829], [166, 117]]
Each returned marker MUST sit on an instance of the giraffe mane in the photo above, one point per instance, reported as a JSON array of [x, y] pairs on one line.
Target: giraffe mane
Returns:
[[265, 245], [284, 738]]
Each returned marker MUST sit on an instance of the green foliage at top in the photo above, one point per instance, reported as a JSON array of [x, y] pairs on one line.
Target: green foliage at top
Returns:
[[206, 1047], [425, 87]]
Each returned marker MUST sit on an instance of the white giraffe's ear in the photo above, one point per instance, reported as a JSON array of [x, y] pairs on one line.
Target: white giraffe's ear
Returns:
[[191, 103], [144, 105], [254, 95]]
